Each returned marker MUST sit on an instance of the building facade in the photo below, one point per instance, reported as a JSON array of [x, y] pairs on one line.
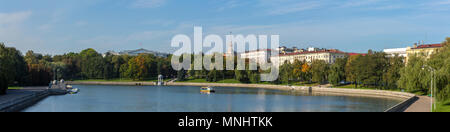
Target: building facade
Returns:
[[258, 56], [396, 51], [328, 56], [425, 50]]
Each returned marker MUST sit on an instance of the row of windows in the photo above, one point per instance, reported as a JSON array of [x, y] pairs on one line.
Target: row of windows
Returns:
[[315, 57]]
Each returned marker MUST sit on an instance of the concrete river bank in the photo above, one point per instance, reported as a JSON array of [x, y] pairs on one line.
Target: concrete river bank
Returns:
[[17, 100]]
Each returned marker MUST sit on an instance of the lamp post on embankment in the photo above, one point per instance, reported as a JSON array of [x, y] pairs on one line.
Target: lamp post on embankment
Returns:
[[432, 88]]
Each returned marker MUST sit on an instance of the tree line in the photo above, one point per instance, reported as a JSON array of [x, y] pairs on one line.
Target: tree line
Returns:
[[35, 69]]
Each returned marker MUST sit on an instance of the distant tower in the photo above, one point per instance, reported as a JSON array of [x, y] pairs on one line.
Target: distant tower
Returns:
[[230, 46], [141, 45]]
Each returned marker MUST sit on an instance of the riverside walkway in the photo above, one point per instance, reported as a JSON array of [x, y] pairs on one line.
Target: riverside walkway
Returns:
[[423, 104]]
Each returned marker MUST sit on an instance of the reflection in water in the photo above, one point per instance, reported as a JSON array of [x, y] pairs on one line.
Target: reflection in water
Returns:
[[189, 99]]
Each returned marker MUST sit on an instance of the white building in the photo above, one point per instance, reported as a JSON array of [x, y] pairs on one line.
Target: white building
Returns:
[[259, 56], [328, 56], [396, 51], [310, 49]]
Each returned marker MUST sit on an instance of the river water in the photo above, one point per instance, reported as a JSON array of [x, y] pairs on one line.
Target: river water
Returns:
[[96, 98]]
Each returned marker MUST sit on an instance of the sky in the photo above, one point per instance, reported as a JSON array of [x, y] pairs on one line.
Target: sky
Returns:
[[62, 26]]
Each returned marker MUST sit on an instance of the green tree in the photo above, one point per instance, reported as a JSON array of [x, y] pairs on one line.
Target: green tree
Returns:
[[181, 75], [92, 64], [117, 61], [337, 71], [138, 67], [440, 61], [286, 71], [40, 70], [392, 75], [350, 69], [254, 76], [73, 64], [413, 77], [297, 70], [319, 70], [241, 76], [12, 67]]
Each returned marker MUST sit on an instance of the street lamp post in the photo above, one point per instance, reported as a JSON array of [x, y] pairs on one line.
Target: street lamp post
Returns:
[[432, 88]]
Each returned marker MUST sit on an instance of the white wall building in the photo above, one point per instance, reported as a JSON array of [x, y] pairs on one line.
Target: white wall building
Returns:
[[396, 51], [259, 56], [328, 56]]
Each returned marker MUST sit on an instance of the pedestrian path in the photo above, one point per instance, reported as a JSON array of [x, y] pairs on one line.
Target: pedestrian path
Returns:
[[423, 104]]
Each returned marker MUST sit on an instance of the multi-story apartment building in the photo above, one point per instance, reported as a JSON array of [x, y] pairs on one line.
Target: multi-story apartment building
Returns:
[[310, 55], [396, 51], [425, 50], [258, 56]]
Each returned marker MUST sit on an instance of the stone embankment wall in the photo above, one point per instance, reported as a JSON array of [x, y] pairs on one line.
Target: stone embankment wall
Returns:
[[15, 102], [21, 103]]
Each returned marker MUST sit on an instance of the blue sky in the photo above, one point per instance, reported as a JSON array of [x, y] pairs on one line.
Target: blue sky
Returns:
[[61, 26]]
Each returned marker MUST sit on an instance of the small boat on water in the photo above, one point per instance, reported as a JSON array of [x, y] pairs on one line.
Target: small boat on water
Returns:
[[73, 91], [207, 90]]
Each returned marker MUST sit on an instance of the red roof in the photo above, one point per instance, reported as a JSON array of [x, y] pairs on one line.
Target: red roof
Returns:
[[428, 46], [352, 54]]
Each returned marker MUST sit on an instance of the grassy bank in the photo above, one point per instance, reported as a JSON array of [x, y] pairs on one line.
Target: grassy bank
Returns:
[[352, 86], [15, 88], [443, 106]]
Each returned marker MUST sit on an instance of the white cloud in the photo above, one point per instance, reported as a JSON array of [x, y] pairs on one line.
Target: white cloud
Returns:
[[81, 23], [55, 18], [11, 27], [159, 22], [13, 18], [229, 4], [388, 7], [151, 39], [439, 5], [147, 3], [297, 7], [356, 3], [281, 7]]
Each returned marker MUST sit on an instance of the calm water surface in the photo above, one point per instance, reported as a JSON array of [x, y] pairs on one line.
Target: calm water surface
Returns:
[[94, 98]]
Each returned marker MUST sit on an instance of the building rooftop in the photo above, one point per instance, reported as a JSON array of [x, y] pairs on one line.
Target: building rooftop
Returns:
[[395, 50], [312, 52], [352, 54], [428, 46], [258, 50]]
